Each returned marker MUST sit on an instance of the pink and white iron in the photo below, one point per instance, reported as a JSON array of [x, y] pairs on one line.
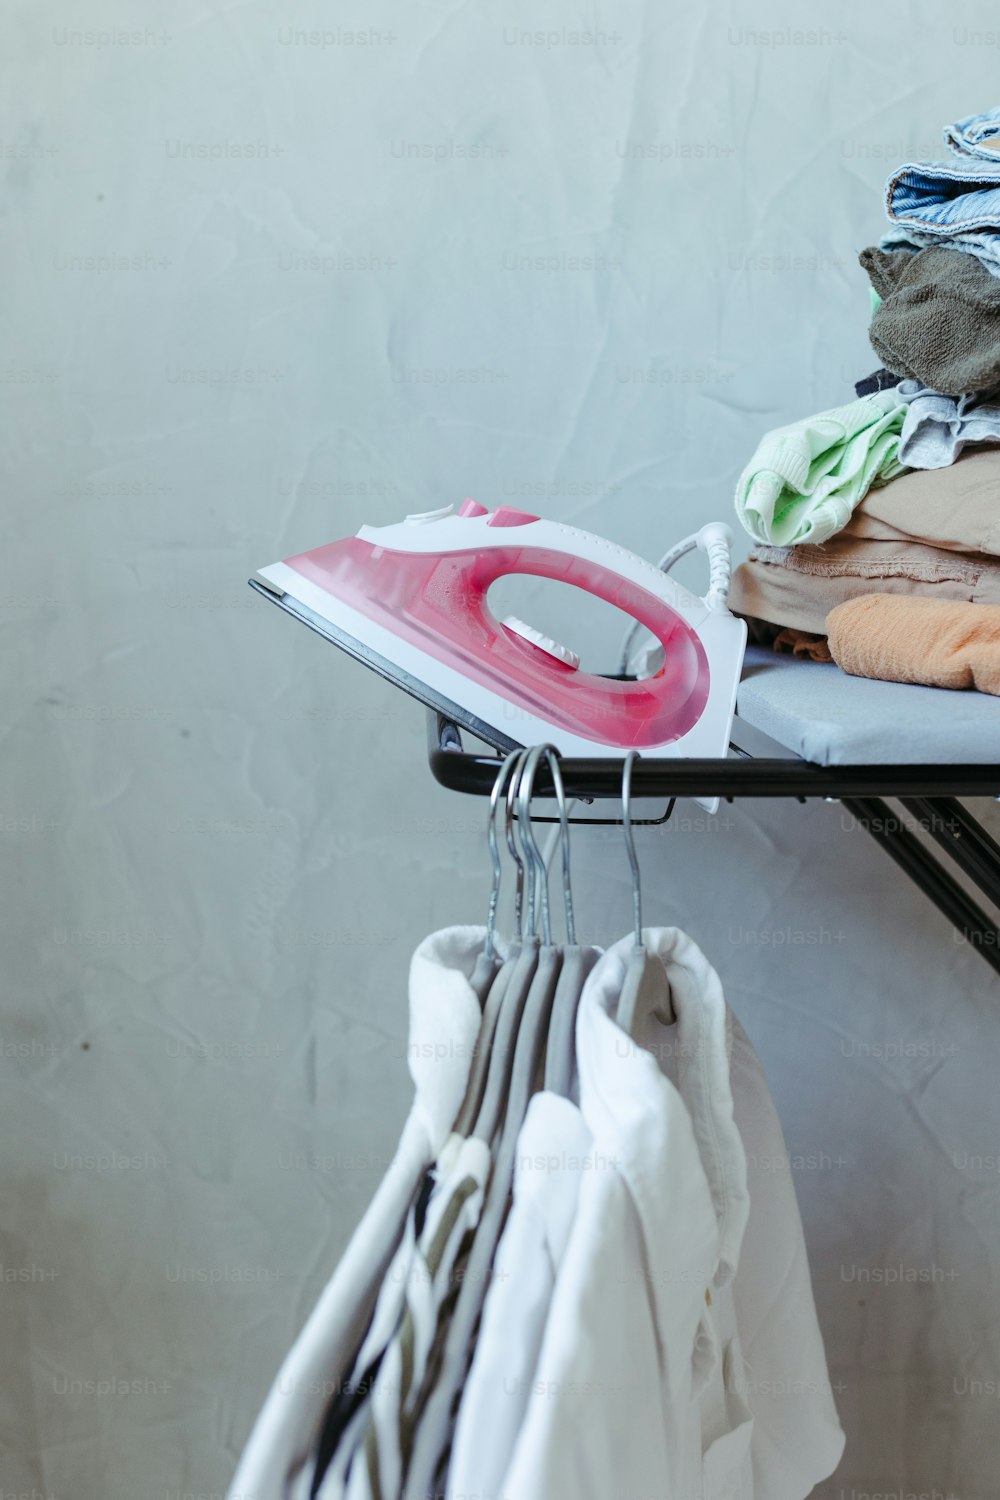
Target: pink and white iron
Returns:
[[409, 600]]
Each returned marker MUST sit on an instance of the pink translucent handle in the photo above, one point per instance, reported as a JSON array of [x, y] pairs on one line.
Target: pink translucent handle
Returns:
[[437, 602]]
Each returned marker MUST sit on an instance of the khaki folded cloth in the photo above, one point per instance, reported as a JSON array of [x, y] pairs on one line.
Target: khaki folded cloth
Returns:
[[929, 641], [932, 533]]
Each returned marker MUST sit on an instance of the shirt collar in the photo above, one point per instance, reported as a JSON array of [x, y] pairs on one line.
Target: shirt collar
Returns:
[[702, 1045], [704, 1049], [444, 1025], [642, 1128], [678, 1149]]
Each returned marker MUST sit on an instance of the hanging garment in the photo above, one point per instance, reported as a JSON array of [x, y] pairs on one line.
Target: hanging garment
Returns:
[[797, 1437], [408, 1323], [560, 1045], [519, 1045], [393, 1357], [766, 1307], [628, 1351], [379, 1463], [389, 1439], [549, 1154], [445, 1012], [422, 1253], [396, 1349], [438, 1406], [447, 1206], [554, 1149], [346, 1418], [763, 1290]]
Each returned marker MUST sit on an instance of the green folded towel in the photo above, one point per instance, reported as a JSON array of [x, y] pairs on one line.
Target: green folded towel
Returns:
[[804, 480]]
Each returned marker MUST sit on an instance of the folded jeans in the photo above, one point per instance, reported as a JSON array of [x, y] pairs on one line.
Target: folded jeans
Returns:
[[976, 135]]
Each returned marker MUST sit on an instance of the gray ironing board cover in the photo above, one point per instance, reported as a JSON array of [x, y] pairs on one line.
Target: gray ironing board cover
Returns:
[[827, 717]]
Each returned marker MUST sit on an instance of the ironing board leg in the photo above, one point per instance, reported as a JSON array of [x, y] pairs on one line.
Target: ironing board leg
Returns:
[[878, 819], [963, 837]]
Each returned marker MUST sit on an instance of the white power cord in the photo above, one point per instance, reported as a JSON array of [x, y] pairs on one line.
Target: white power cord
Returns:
[[716, 541]]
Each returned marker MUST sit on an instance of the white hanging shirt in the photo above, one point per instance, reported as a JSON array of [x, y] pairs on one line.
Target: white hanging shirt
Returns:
[[797, 1438], [762, 1292], [444, 1026], [553, 1151], [614, 1405], [453, 1213]]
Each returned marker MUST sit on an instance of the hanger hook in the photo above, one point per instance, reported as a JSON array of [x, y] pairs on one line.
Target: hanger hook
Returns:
[[555, 771], [630, 761], [538, 872], [515, 853], [491, 833]]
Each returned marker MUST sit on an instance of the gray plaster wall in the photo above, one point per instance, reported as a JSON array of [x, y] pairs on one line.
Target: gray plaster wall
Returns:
[[269, 275]]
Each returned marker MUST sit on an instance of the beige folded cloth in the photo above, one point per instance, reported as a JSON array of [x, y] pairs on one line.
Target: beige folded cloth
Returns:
[[957, 507], [800, 590], [918, 640], [932, 533]]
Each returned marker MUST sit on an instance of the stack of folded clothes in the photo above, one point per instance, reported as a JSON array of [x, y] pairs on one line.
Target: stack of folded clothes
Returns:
[[878, 523]]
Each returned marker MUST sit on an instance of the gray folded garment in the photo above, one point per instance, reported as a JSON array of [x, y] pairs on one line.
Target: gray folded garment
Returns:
[[937, 428], [939, 318]]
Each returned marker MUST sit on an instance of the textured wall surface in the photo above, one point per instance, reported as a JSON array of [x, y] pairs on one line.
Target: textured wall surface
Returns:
[[273, 273]]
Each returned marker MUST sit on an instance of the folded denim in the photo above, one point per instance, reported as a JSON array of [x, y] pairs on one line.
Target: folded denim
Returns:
[[943, 197], [939, 318], [976, 135], [804, 480], [984, 246], [954, 203], [933, 533], [937, 428]]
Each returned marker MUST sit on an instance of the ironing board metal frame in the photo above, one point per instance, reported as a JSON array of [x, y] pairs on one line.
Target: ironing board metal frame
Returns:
[[927, 792]]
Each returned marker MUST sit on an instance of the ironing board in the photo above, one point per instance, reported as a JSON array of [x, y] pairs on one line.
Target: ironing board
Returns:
[[805, 729], [831, 719]]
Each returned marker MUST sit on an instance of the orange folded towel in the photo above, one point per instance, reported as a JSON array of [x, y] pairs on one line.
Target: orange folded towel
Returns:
[[900, 638]]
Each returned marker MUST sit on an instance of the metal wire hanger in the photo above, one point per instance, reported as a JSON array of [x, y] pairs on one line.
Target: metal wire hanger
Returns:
[[646, 989], [504, 775]]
